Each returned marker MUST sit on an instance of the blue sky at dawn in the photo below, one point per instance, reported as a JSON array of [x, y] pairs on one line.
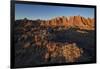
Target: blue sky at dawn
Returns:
[[48, 12]]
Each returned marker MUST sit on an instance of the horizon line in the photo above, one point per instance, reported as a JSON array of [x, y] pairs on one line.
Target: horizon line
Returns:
[[52, 17]]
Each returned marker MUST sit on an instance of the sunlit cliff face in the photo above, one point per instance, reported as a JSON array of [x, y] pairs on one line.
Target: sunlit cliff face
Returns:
[[72, 21]]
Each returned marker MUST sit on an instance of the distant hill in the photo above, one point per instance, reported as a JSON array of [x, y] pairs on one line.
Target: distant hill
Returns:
[[66, 22]]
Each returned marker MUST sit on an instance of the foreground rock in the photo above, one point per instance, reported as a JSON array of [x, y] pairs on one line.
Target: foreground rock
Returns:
[[70, 52]]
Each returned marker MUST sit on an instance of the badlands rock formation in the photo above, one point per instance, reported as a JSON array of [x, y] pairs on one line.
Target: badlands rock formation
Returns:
[[72, 21]]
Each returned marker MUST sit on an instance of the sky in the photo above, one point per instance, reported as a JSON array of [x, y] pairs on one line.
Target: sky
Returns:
[[46, 12]]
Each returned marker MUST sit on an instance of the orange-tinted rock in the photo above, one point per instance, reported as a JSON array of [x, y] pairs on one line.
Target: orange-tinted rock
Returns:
[[72, 21]]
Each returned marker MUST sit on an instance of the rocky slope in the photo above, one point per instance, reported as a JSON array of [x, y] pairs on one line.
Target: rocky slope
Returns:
[[59, 40]]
